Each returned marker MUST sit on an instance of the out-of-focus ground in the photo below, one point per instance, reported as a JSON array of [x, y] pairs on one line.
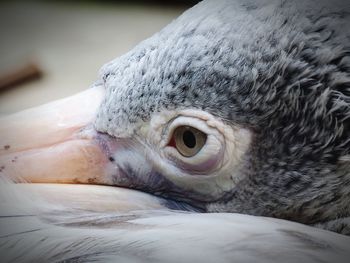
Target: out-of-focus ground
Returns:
[[70, 42]]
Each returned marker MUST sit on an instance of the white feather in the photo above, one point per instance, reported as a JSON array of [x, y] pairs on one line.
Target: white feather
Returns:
[[81, 223]]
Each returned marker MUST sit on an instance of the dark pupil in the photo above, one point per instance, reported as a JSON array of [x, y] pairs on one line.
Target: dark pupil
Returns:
[[189, 139]]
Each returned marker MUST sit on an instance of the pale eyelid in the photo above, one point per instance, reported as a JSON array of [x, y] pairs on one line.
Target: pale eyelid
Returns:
[[201, 168]]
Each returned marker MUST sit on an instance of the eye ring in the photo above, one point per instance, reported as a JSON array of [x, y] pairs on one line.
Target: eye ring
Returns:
[[187, 140]]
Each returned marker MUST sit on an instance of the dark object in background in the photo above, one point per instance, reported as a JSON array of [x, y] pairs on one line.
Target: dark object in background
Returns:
[[19, 75], [148, 2]]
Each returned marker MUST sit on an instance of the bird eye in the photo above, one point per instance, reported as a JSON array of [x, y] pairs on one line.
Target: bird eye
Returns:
[[188, 140]]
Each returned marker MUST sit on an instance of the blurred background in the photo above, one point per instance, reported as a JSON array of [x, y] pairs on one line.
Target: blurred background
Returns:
[[52, 49]]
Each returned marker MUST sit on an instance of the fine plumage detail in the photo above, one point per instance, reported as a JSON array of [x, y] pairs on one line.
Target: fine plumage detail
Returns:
[[232, 119], [281, 70]]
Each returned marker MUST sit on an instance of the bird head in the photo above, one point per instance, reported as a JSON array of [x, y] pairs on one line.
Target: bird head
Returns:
[[236, 106]]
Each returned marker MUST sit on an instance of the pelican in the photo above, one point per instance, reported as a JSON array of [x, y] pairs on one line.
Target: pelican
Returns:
[[231, 127]]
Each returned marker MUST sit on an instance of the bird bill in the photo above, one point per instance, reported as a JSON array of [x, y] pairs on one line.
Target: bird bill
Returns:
[[55, 142]]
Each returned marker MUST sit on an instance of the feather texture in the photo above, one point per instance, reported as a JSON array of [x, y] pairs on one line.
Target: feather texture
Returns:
[[80, 223]]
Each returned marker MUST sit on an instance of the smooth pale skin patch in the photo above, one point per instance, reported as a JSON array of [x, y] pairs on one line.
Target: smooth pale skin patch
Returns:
[[233, 141]]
